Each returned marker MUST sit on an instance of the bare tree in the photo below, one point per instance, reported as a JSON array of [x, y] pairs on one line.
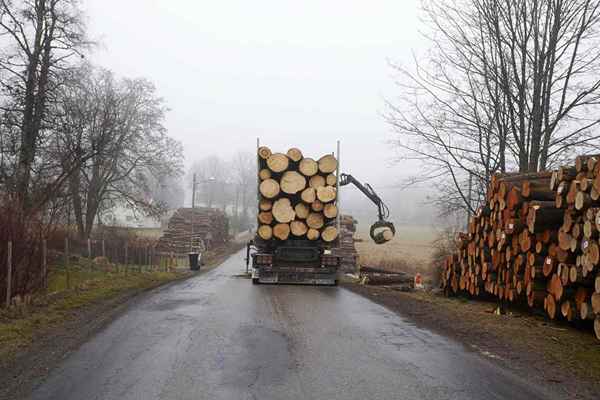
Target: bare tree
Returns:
[[213, 178], [244, 176], [42, 35], [506, 85], [114, 133]]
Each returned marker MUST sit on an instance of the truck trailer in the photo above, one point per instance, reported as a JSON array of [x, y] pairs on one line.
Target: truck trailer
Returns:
[[299, 218]]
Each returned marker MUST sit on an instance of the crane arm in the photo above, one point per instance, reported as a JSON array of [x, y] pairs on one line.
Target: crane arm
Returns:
[[382, 210]]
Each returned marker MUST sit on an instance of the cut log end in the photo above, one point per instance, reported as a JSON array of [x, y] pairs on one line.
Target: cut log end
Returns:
[[315, 220], [308, 167], [292, 182], [326, 194], [278, 162], [265, 232], [294, 154], [329, 234], [281, 231], [269, 188], [283, 211], [302, 210], [264, 152], [313, 234], [264, 174], [317, 181], [327, 164], [298, 228]]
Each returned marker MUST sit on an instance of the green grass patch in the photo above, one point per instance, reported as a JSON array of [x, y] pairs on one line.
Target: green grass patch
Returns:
[[18, 325]]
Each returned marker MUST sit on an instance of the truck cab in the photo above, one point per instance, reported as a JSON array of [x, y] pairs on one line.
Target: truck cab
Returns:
[[295, 261]]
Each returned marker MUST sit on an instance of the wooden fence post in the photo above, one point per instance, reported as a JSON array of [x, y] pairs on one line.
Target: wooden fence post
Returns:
[[8, 274], [126, 257], [103, 249], [45, 264]]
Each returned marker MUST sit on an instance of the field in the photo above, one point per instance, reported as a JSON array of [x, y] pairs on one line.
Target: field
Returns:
[[410, 251]]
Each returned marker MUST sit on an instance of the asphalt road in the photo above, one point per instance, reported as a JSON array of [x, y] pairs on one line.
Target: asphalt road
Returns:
[[216, 336]]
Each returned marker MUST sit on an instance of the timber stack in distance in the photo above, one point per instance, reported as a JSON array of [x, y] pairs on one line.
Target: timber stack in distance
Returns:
[[536, 241], [297, 197]]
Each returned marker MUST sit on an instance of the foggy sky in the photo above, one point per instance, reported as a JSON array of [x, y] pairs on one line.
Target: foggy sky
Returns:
[[294, 73]]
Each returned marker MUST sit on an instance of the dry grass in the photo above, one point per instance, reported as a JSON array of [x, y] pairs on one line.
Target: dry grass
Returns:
[[410, 251]]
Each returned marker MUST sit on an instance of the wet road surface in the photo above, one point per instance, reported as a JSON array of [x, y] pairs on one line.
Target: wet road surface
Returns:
[[216, 336]]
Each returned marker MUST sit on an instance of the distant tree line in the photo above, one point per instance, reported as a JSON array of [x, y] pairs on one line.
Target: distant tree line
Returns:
[[506, 86], [75, 139], [229, 184]]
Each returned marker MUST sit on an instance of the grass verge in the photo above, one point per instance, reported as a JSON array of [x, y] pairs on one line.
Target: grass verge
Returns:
[[18, 325]]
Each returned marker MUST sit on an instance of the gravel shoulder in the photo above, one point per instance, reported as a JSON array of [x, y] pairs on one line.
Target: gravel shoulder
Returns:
[[564, 359]]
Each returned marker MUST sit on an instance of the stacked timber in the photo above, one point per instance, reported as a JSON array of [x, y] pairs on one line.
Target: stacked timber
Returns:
[[536, 241], [199, 228], [346, 249], [297, 196]]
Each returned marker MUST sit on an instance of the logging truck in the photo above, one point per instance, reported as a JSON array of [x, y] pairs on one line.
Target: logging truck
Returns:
[[299, 218]]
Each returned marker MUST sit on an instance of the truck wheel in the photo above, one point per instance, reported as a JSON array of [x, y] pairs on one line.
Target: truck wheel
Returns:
[[255, 281], [335, 283]]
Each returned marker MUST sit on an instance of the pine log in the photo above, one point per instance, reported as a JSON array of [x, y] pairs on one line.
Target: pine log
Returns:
[[294, 154], [283, 211], [331, 180], [597, 283], [265, 232], [292, 182], [298, 228], [281, 231], [330, 210], [265, 217], [582, 200], [302, 210], [586, 312], [315, 220], [308, 167], [329, 234], [317, 181], [327, 164], [265, 205], [264, 174], [269, 188], [326, 194], [317, 206], [550, 306], [309, 195], [313, 234], [278, 162], [264, 152], [597, 327]]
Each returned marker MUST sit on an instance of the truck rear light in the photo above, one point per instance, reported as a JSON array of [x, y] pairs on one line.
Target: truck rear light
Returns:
[[265, 259], [329, 261]]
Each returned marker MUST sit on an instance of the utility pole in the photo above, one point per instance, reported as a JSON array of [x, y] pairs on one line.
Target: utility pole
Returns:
[[192, 220], [470, 198]]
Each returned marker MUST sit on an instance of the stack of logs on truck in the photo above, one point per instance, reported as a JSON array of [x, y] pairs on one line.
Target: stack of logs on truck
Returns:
[[536, 241], [297, 196]]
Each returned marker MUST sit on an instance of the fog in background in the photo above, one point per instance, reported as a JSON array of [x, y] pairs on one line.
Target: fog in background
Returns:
[[302, 74]]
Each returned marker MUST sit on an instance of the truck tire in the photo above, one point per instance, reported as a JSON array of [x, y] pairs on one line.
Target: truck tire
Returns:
[[335, 283], [255, 281]]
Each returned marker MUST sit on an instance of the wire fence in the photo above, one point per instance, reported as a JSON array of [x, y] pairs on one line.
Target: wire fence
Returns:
[[108, 255]]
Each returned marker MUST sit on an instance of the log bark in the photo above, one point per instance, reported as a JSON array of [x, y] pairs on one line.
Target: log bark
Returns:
[[308, 167], [292, 182], [597, 327], [283, 211], [269, 188], [596, 303], [278, 162], [281, 231], [327, 164], [294, 154], [298, 228]]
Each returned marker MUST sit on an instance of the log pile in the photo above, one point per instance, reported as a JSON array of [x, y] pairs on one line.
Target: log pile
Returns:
[[346, 249], [297, 196], [210, 230], [536, 241]]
